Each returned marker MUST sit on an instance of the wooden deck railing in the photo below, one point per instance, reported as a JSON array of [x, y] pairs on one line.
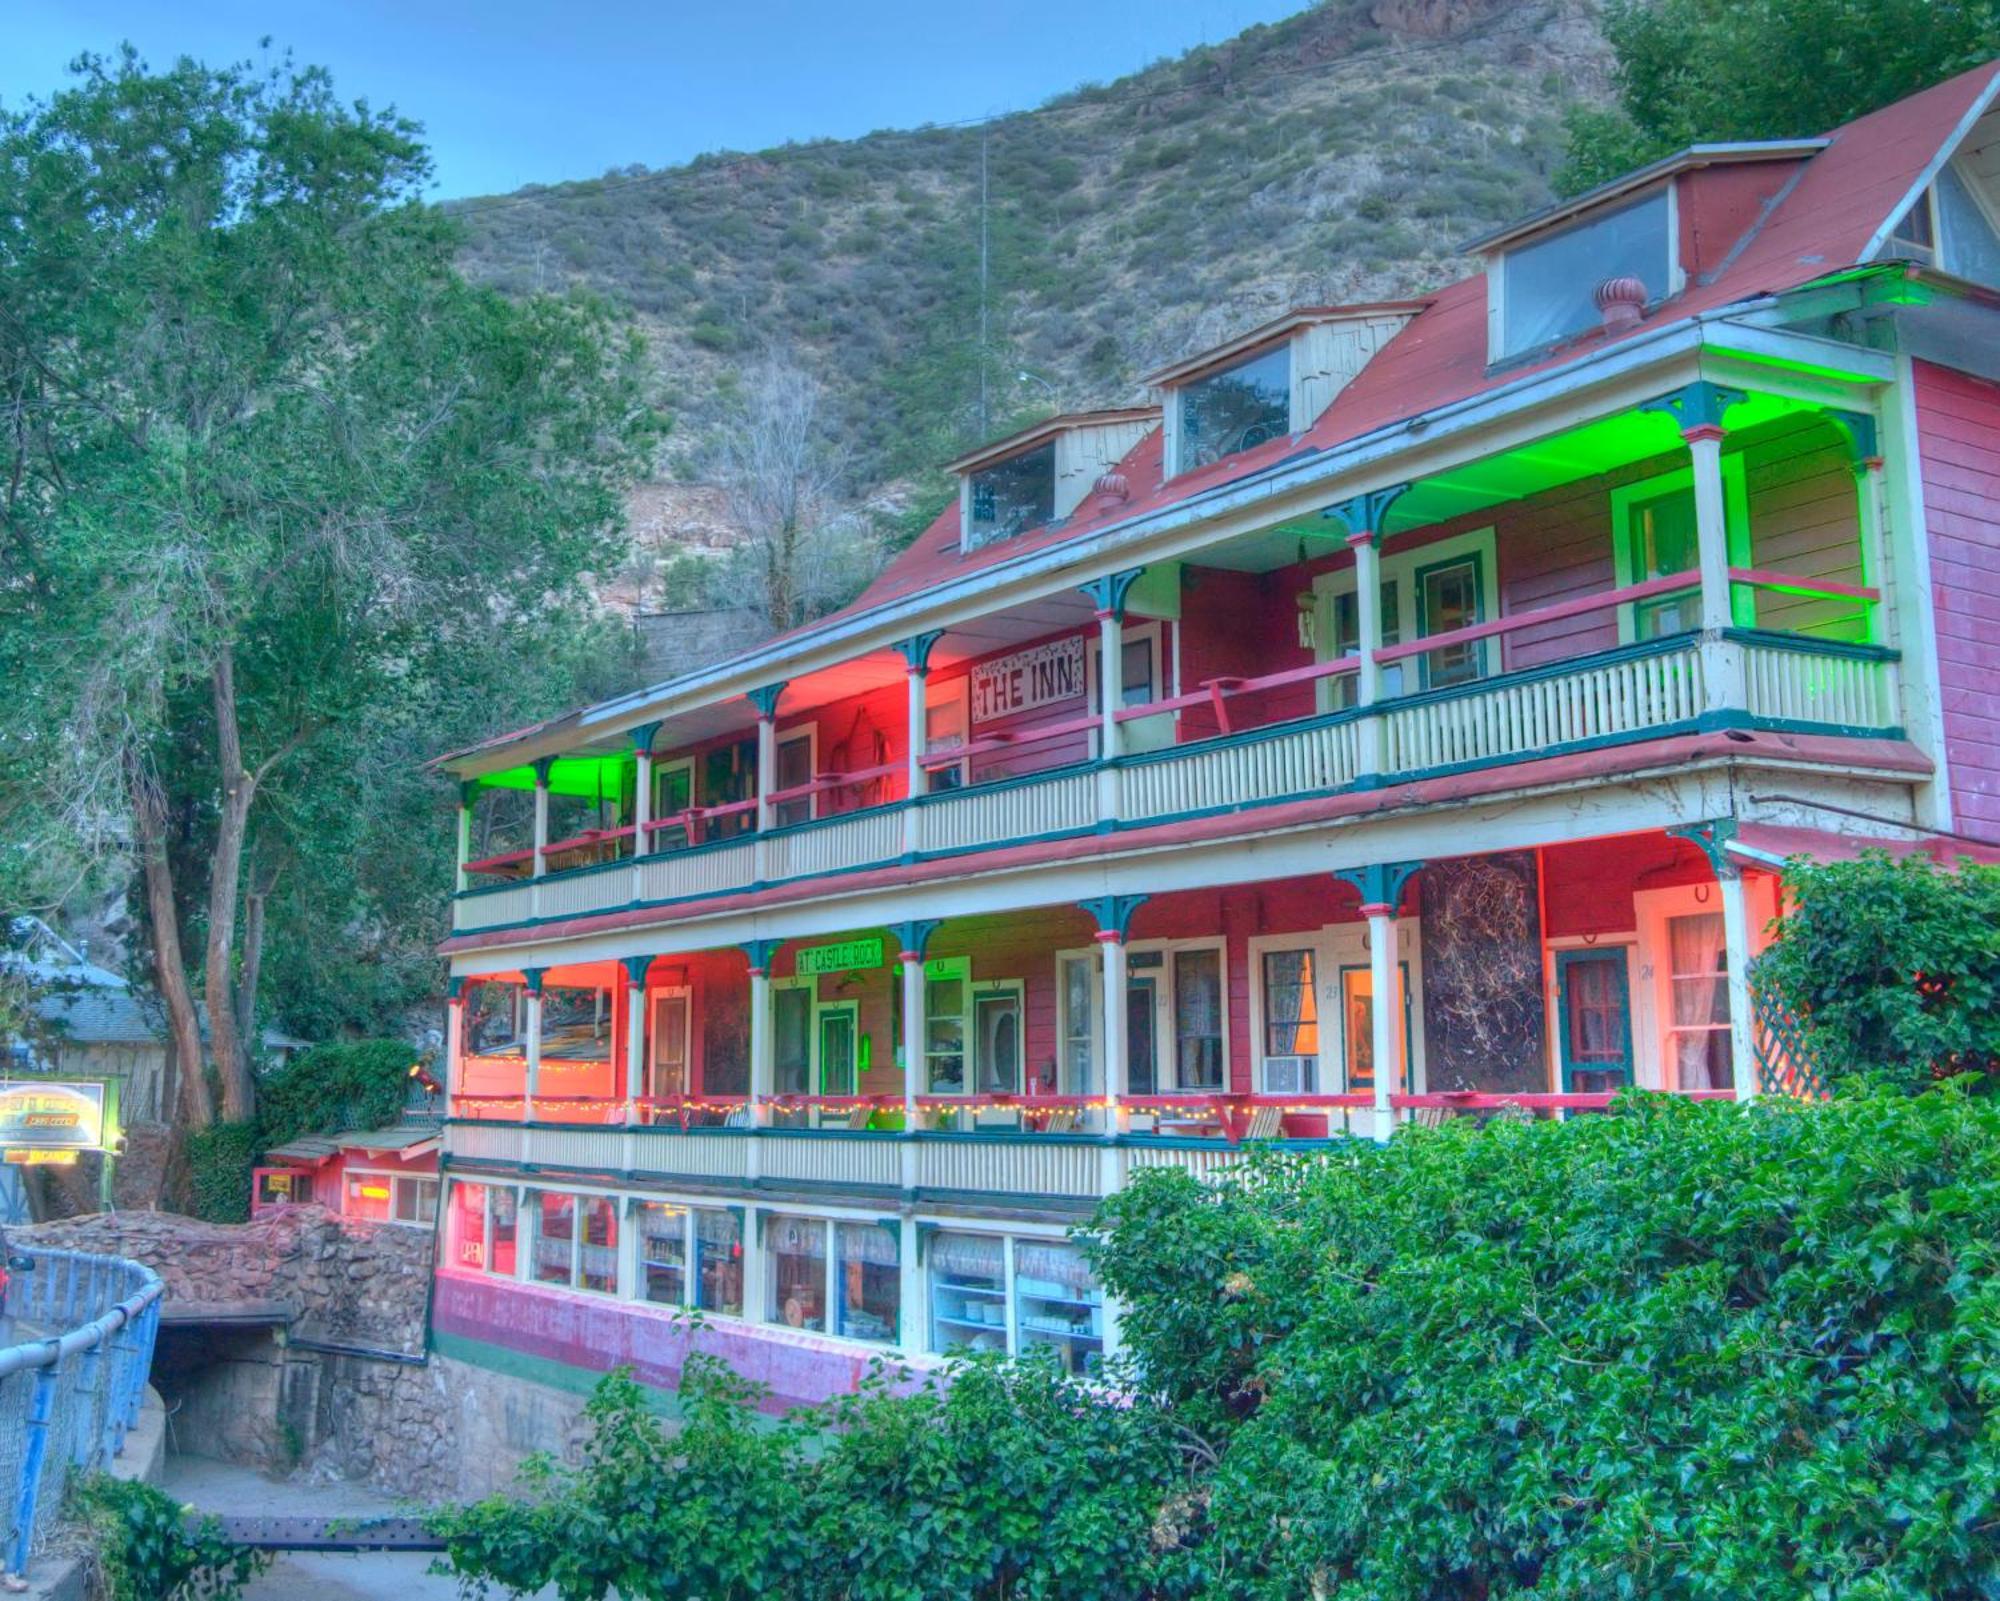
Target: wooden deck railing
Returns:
[[1639, 690]]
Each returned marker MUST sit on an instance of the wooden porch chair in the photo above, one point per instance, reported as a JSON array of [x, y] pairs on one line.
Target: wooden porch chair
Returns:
[[1063, 1120], [1266, 1123], [861, 1118]]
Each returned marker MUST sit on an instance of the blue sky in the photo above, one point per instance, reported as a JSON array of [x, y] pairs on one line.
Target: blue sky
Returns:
[[515, 92]]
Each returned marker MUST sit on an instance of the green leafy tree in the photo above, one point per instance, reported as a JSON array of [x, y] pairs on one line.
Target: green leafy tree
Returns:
[[1692, 71], [1891, 968], [271, 471]]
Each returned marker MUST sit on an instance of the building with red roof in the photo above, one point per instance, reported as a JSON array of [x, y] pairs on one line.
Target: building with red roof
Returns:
[[1411, 712]]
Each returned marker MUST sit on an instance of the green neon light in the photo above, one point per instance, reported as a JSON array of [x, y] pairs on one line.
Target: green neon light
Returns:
[[1806, 369], [584, 777]]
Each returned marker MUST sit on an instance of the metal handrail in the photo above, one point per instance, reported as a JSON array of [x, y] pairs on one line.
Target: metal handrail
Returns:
[[76, 1393]]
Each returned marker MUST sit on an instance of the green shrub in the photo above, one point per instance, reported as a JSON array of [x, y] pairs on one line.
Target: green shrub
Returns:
[[220, 1159], [1681, 1351], [348, 1084], [1891, 968], [146, 1550]]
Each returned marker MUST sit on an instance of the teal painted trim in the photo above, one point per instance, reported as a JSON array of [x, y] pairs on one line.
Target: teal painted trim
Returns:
[[644, 734], [636, 968], [1858, 427], [1251, 736], [594, 869], [1712, 838], [1700, 404], [1366, 513], [1380, 883], [759, 952], [1113, 913], [531, 980], [1565, 960], [765, 700], [1530, 675], [1807, 645], [454, 987]]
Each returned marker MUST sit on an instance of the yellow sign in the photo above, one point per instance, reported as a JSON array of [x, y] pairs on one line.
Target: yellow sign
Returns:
[[25, 1158]]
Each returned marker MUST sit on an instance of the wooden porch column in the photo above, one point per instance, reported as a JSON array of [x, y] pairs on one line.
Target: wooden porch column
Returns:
[[1363, 516], [1699, 408], [1736, 954], [914, 936], [1108, 594], [531, 1051], [1113, 916], [766, 702], [466, 794], [1381, 887], [1870, 497], [917, 662], [635, 1033], [760, 952], [642, 786], [454, 1037], [542, 767]]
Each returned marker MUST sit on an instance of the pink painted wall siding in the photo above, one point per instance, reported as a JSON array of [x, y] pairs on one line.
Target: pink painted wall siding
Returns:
[[1958, 424], [597, 1335]]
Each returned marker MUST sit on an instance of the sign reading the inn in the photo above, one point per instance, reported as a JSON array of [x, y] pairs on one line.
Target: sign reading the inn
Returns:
[[1041, 676], [845, 957]]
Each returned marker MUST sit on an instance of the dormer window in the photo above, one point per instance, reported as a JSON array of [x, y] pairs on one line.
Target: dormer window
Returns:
[[1011, 496], [1543, 287], [1952, 226], [1235, 408]]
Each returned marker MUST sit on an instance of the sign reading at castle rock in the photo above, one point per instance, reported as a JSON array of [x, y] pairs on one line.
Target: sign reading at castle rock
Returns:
[[41, 1116], [842, 958], [1040, 676]]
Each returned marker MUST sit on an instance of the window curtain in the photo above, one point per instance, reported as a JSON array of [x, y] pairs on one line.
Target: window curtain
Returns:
[[1699, 994], [870, 1243], [1060, 1264], [969, 1255]]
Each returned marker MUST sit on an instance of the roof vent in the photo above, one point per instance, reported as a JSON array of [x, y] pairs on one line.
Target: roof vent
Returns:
[[1113, 484], [1621, 302]]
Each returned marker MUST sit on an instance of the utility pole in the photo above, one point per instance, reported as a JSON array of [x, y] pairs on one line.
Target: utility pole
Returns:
[[984, 424]]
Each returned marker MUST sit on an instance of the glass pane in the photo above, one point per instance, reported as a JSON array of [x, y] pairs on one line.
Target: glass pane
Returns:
[[1451, 600], [467, 1238], [1548, 284], [576, 1025], [795, 1271], [718, 1261], [1012, 497], [997, 1017], [1198, 1019], [1079, 979], [836, 1053], [1236, 409], [791, 1040], [1291, 1009], [555, 1236], [1347, 641], [493, 1018], [670, 1035], [1593, 992], [1142, 1048], [598, 1265], [871, 1282], [1357, 1009], [1057, 1303], [503, 1209], [794, 767], [1970, 248], [663, 1252], [1136, 683], [968, 1292], [944, 1035]]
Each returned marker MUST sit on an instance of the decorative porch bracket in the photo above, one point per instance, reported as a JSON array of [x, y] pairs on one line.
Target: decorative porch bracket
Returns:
[[1113, 913], [1700, 404], [454, 987], [760, 952], [766, 699], [1864, 443], [914, 934], [636, 968], [1380, 883], [1366, 513], [1108, 593], [542, 766], [643, 736], [1713, 841], [531, 979], [916, 650]]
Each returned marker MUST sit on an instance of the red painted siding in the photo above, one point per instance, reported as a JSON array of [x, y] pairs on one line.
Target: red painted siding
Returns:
[[1958, 426]]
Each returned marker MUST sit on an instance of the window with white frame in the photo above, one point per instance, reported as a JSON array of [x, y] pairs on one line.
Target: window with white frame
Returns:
[[1010, 497], [1541, 290], [1235, 408], [974, 1039], [946, 728], [1954, 224], [1653, 535], [1433, 588], [415, 1200], [1287, 977], [797, 756], [575, 1240], [1312, 1010], [1012, 1293], [1079, 982], [1200, 1044]]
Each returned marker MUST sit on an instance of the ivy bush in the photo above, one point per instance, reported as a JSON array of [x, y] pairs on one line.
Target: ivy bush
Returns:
[[1891, 967], [220, 1161], [347, 1084], [1678, 1352], [146, 1550]]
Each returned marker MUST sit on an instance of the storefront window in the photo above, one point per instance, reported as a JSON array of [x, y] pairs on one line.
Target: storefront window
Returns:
[[576, 1025], [718, 1261], [493, 1020], [368, 1196], [968, 1274], [795, 1271], [870, 1280], [1058, 1304], [597, 1261], [663, 1234], [555, 1237], [416, 1200], [502, 1231], [1198, 1019]]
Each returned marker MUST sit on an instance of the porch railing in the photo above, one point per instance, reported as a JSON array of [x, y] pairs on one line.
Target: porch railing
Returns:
[[72, 1384], [1641, 690]]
